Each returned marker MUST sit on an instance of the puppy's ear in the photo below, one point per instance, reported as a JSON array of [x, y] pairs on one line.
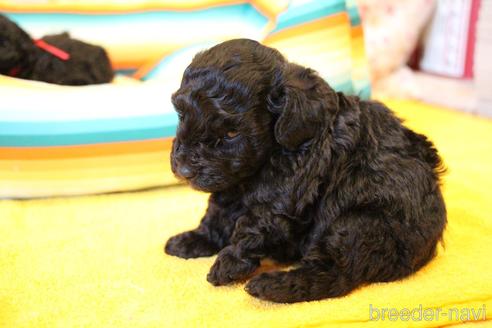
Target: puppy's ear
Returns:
[[302, 100]]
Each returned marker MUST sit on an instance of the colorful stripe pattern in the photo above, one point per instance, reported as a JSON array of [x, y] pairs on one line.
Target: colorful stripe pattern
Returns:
[[57, 140], [136, 32], [325, 35], [360, 70]]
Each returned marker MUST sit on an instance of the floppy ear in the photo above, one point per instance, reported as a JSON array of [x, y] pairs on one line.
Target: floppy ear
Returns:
[[302, 101]]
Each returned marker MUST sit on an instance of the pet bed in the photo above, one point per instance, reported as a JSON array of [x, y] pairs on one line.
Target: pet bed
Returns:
[[97, 261], [57, 140]]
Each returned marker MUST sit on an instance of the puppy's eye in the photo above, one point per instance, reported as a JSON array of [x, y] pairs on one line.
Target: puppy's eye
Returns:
[[231, 135]]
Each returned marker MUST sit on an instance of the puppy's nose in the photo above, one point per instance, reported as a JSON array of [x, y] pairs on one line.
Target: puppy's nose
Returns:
[[186, 172]]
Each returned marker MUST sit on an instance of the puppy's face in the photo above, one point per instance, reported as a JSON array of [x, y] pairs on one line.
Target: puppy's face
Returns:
[[238, 102], [224, 133], [216, 149], [14, 45]]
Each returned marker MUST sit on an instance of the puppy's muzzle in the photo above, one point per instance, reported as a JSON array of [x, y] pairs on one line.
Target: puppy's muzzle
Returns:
[[186, 172]]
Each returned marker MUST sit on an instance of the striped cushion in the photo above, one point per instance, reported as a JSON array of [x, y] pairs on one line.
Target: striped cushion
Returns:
[[57, 140]]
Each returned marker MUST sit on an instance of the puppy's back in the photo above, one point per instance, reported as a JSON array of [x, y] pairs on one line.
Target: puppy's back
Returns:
[[389, 132], [88, 63]]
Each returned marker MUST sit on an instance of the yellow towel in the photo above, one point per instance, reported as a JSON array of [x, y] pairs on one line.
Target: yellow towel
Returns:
[[98, 262]]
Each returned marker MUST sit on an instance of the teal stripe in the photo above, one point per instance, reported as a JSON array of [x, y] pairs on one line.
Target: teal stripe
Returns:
[[297, 15], [85, 139], [87, 126], [365, 92], [345, 87], [126, 72], [66, 20], [354, 16]]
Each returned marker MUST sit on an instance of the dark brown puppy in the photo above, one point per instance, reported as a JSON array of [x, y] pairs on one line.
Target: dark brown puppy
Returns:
[[55, 59], [300, 173]]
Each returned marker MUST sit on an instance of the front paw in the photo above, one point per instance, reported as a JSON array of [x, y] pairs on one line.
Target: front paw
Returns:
[[228, 268], [190, 244], [279, 287]]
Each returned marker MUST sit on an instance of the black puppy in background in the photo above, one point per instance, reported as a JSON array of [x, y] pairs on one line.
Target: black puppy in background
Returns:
[[55, 59], [300, 173]]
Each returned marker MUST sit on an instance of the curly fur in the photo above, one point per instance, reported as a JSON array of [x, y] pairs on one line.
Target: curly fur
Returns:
[[301, 174], [88, 64]]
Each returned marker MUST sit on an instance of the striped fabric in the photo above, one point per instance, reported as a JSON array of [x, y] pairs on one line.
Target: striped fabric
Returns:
[[135, 32], [327, 36], [360, 70], [324, 35], [57, 140]]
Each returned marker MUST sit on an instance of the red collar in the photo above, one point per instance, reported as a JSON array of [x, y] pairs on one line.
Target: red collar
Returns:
[[41, 44], [57, 52]]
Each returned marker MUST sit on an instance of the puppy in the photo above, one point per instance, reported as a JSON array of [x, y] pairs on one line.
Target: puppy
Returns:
[[55, 59], [301, 174]]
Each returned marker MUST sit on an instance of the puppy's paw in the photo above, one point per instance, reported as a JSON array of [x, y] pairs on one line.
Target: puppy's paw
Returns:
[[229, 268], [279, 287], [190, 244]]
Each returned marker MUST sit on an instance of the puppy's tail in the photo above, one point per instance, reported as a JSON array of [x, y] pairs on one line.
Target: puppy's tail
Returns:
[[427, 152]]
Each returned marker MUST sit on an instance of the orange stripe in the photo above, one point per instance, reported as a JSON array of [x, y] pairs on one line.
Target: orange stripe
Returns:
[[149, 65], [28, 153], [357, 32], [134, 56], [89, 173], [337, 39], [316, 25], [85, 163]]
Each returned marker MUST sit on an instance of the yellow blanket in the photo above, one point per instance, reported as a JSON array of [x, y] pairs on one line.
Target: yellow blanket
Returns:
[[98, 261]]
